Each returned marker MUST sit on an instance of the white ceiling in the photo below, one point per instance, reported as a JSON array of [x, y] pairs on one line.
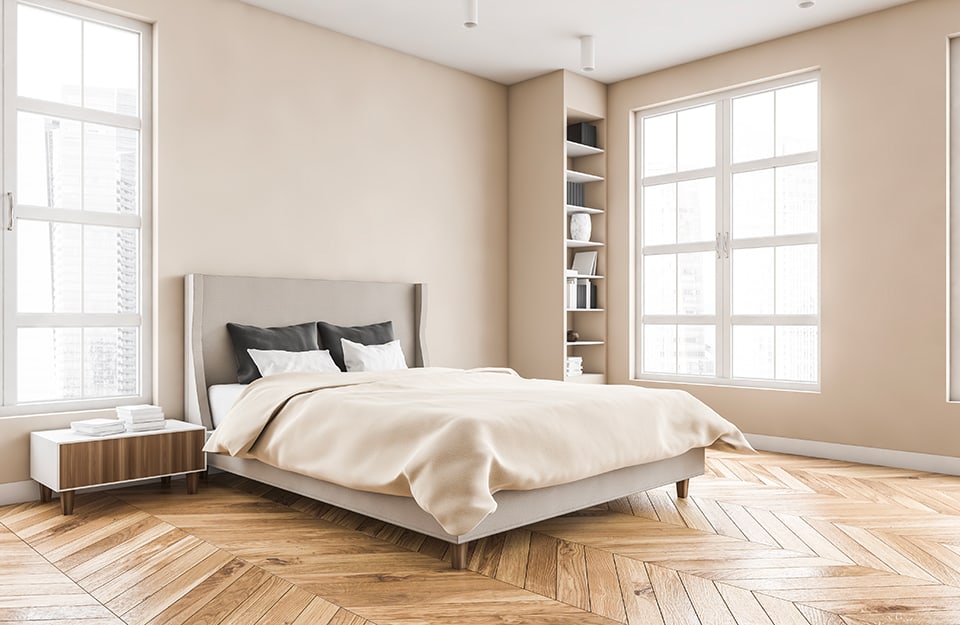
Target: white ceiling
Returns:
[[519, 39]]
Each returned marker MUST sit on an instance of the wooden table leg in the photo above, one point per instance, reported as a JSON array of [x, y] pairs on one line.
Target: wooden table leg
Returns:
[[193, 482], [683, 487], [66, 502], [46, 495], [165, 481]]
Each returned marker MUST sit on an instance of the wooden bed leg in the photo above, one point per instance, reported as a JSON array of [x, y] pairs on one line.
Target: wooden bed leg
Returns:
[[683, 486], [458, 555]]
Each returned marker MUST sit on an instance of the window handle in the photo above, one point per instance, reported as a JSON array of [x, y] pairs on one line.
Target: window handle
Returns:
[[10, 214], [726, 245], [719, 245]]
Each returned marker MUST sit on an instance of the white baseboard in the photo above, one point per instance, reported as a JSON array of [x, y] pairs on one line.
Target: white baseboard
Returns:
[[852, 453]]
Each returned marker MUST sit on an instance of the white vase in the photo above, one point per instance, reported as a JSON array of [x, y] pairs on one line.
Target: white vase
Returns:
[[580, 226]]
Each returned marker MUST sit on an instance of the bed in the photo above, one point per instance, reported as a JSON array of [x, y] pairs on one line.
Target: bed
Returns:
[[213, 301]]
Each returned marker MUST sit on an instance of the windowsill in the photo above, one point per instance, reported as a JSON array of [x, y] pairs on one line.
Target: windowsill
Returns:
[[746, 385], [95, 409]]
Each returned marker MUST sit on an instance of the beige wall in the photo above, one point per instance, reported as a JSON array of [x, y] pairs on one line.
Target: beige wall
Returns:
[[883, 223], [284, 149]]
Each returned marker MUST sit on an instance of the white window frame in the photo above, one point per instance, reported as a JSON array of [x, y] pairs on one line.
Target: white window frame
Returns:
[[723, 245], [953, 232], [11, 319]]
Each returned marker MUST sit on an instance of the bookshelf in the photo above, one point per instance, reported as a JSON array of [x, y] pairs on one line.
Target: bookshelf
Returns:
[[543, 162], [586, 166]]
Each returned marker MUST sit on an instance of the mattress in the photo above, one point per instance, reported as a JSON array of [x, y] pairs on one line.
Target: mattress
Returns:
[[222, 398]]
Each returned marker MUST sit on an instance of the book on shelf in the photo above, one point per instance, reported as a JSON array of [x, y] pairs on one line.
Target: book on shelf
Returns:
[[571, 292], [140, 413], [97, 427], [575, 193], [583, 133], [584, 293], [574, 366], [145, 426], [585, 263]]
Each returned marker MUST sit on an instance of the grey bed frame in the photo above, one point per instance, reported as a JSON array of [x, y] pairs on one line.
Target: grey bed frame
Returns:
[[212, 301]]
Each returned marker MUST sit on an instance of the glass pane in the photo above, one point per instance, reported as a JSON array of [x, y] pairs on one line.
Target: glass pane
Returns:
[[696, 283], [797, 113], [660, 284], [72, 363], [796, 279], [659, 348], [111, 163], [34, 274], [660, 214], [753, 352], [48, 55], [48, 364], [696, 138], [796, 210], [110, 270], [797, 353], [753, 292], [753, 127], [696, 210], [111, 69], [660, 145], [753, 205], [48, 161], [696, 350], [48, 267], [109, 362]]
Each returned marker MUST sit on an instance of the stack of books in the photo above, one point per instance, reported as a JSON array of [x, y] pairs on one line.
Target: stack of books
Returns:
[[141, 418], [97, 427], [574, 366]]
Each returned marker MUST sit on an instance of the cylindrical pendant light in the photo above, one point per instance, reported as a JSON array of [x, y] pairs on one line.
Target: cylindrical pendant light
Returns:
[[473, 12], [588, 54]]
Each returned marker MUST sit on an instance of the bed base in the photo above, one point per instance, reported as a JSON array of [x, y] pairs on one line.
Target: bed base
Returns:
[[514, 508]]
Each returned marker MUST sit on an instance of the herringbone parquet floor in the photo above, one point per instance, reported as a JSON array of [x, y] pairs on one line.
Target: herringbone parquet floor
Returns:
[[764, 539]]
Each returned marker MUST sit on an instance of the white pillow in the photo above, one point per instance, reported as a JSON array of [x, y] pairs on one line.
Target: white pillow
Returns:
[[274, 361], [386, 357]]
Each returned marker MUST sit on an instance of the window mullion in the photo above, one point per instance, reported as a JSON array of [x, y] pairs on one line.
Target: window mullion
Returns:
[[724, 284]]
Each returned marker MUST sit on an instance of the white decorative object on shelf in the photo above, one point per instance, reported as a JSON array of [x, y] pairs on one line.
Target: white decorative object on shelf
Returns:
[[581, 226]]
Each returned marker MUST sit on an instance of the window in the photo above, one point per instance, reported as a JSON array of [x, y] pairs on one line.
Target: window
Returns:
[[728, 221], [76, 210]]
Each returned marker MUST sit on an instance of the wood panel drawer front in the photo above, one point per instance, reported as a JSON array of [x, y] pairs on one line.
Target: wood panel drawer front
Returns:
[[95, 462]]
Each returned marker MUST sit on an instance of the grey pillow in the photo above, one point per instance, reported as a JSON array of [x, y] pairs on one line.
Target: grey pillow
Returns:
[[373, 334], [298, 338]]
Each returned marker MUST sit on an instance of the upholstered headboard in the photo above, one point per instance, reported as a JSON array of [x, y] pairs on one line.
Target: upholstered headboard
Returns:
[[212, 301]]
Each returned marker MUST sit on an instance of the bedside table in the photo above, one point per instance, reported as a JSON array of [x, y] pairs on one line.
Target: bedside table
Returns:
[[63, 461]]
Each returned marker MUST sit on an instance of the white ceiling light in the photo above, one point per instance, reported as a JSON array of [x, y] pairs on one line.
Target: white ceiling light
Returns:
[[588, 54], [472, 14], [806, 4]]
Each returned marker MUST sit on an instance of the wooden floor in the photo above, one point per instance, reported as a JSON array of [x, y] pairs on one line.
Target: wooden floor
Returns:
[[764, 539]]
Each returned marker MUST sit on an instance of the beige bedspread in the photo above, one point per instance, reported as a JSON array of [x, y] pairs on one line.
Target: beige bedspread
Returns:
[[451, 438]]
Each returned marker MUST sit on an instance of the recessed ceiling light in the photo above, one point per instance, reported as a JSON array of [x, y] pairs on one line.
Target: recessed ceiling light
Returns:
[[806, 4]]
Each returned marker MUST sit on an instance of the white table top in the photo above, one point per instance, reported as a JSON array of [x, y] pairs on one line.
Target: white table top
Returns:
[[69, 436]]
